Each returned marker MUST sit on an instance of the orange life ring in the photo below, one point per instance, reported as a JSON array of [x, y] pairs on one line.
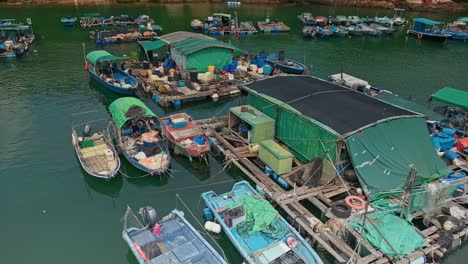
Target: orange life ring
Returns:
[[350, 202], [420, 35], [140, 251]]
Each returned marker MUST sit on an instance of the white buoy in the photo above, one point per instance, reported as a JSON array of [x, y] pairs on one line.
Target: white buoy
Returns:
[[213, 227]]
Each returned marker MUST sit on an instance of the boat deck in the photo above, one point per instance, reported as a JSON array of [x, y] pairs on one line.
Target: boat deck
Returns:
[[272, 27], [95, 159]]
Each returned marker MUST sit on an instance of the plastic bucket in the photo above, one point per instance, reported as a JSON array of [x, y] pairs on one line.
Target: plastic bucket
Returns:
[[208, 215], [211, 68], [200, 140], [267, 69]]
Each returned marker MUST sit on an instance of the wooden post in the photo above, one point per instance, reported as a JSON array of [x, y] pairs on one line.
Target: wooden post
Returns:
[[406, 199]]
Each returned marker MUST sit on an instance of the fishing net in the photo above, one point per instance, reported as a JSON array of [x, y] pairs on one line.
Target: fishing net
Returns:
[[130, 220]]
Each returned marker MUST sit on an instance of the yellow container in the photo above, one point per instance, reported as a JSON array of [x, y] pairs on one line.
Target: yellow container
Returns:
[[211, 68]]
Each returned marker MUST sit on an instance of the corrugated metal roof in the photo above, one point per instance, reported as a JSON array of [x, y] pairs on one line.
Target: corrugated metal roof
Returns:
[[190, 46], [178, 36]]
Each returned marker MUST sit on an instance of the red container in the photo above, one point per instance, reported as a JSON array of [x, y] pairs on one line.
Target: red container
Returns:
[[462, 144]]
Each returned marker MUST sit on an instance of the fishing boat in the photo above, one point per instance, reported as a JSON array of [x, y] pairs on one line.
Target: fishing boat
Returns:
[[435, 33], [275, 26], [452, 104], [68, 21], [458, 29], [355, 30], [384, 21], [398, 18], [309, 31], [102, 67], [136, 130], [15, 38], [185, 136], [223, 24], [354, 20], [307, 19], [257, 230], [341, 20], [172, 239], [324, 31], [321, 21], [383, 30], [369, 30], [96, 152], [285, 65], [196, 24], [121, 35], [340, 31]]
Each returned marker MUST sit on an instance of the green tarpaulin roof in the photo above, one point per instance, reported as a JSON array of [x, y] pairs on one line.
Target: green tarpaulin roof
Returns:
[[120, 110], [426, 21], [100, 55], [452, 96], [193, 45], [152, 45], [464, 19]]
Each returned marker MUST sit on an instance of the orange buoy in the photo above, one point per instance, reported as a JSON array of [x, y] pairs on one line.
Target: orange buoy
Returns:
[[86, 65], [140, 251], [350, 201]]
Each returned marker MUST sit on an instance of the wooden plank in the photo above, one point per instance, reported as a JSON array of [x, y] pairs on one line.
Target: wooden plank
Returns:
[[429, 231], [322, 207]]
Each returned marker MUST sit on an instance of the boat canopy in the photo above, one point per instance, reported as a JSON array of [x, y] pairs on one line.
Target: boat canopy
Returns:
[[222, 15], [181, 36], [464, 19], [426, 21], [316, 119], [452, 96], [152, 45], [101, 55], [126, 108]]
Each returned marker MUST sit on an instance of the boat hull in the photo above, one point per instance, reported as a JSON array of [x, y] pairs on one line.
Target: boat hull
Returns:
[[430, 36], [119, 90]]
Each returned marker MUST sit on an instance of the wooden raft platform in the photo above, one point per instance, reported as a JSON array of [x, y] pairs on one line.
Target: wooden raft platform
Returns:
[[322, 235]]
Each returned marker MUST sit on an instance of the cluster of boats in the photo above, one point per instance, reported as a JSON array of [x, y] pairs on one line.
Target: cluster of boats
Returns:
[[15, 38]]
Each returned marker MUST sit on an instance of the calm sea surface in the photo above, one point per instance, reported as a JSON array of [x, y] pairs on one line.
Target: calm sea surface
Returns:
[[52, 212]]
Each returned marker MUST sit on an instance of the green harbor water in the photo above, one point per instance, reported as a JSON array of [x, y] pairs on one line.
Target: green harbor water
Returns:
[[52, 212]]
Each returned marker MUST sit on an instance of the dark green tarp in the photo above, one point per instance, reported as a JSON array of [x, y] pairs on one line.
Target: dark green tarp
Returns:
[[119, 110], [383, 155], [452, 96], [101, 55], [152, 45]]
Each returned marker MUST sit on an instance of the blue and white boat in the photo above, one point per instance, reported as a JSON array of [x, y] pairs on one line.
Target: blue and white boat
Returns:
[[435, 33], [170, 240], [68, 21], [137, 131], [257, 230], [285, 65], [102, 67]]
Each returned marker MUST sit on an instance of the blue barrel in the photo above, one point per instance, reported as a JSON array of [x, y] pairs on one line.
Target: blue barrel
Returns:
[[253, 61], [226, 67], [232, 67], [449, 131], [181, 83], [268, 170], [267, 69], [451, 155], [208, 215], [436, 142], [200, 140], [234, 62], [261, 62], [177, 104], [155, 98], [284, 184], [127, 131], [274, 176]]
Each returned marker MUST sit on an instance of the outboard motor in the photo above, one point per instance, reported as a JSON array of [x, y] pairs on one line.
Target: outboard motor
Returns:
[[281, 55], [149, 215], [87, 131]]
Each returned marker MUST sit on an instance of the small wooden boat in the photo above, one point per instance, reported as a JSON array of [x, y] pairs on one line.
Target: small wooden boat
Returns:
[[340, 31], [96, 153], [309, 31], [398, 18], [383, 30], [196, 24], [435, 33], [285, 65], [341, 20], [270, 239], [369, 30], [169, 240], [185, 136], [384, 21], [137, 132], [324, 31], [68, 21], [355, 30], [102, 67], [354, 20], [307, 19], [456, 34], [321, 21]]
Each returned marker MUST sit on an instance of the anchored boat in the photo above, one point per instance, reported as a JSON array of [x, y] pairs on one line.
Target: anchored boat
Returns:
[[435, 33], [458, 29], [136, 129], [398, 18], [68, 21], [257, 230], [170, 240], [185, 136], [309, 31], [96, 153], [285, 65], [102, 67], [307, 19], [340, 31]]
